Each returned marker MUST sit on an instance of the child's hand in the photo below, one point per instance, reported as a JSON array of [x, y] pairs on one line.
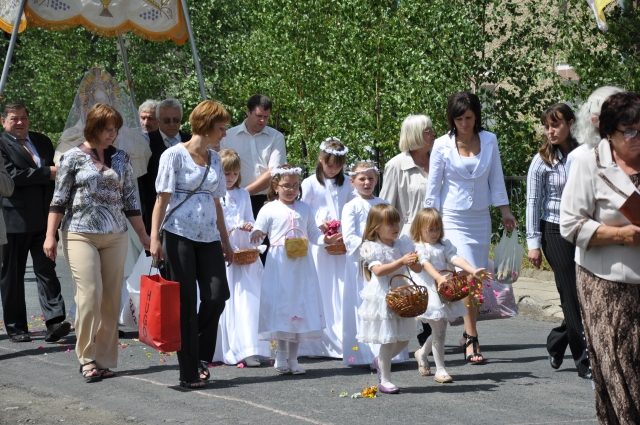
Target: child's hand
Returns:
[[409, 259], [483, 275], [333, 239], [323, 227], [441, 281], [257, 237], [247, 227]]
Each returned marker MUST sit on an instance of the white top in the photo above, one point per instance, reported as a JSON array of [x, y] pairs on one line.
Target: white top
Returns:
[[326, 201], [354, 219], [440, 255], [579, 151], [257, 152], [470, 162], [276, 218], [596, 189], [236, 206], [453, 187], [179, 175]]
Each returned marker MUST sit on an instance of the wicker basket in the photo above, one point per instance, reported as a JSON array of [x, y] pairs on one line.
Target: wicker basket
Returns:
[[242, 257], [453, 289], [408, 300], [336, 249], [296, 247]]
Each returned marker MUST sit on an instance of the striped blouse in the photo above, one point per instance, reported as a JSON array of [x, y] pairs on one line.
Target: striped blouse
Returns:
[[545, 184]]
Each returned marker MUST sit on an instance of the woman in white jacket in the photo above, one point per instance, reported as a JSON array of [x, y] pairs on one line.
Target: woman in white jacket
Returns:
[[465, 177]]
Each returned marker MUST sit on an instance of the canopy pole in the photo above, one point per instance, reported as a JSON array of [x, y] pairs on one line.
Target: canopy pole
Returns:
[[196, 60], [127, 71], [12, 45]]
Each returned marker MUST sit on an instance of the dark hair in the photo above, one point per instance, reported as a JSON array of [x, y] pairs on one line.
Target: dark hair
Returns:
[[337, 145], [13, 107], [555, 113], [259, 100], [619, 109], [98, 117], [458, 105], [272, 195]]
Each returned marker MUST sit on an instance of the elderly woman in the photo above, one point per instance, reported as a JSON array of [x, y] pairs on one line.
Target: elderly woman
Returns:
[[95, 194], [466, 177], [194, 240], [406, 174], [607, 257]]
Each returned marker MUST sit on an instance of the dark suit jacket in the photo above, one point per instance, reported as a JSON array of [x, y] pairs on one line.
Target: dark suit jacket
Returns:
[[147, 183], [26, 210]]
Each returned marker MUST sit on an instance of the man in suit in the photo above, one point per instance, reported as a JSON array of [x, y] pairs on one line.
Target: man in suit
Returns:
[[169, 113], [28, 158]]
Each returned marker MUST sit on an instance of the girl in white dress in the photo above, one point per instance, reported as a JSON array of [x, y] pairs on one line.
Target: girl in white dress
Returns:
[[436, 253], [385, 256], [364, 177], [238, 328], [326, 193], [290, 302]]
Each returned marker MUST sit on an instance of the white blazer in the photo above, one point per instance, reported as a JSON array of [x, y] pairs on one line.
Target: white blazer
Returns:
[[594, 192], [452, 186]]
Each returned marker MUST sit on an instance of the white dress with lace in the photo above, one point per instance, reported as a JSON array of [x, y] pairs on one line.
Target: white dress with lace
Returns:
[[380, 325], [440, 255]]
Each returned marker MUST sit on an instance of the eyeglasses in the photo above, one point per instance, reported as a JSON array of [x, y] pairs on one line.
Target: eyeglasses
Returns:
[[629, 134], [287, 187], [168, 120], [429, 131], [434, 231]]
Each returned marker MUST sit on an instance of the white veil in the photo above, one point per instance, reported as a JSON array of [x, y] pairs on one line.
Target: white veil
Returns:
[[98, 86]]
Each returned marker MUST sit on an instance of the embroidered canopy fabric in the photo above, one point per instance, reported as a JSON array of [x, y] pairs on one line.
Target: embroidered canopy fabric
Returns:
[[158, 20]]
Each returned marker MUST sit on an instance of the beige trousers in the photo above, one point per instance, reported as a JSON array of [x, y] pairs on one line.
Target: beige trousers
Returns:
[[97, 265]]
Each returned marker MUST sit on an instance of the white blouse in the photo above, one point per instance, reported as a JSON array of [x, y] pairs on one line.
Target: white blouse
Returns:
[[178, 175], [354, 219]]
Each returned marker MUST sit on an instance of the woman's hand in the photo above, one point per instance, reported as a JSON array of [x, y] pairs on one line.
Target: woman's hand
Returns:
[[483, 275], [145, 240], [257, 237], [247, 227], [51, 247], [630, 235], [333, 239], [155, 247], [535, 257], [509, 221]]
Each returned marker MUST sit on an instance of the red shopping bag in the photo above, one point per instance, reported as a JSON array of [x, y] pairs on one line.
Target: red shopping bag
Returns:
[[159, 324]]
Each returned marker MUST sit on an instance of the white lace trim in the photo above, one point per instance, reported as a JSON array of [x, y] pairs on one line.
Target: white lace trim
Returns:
[[286, 171], [324, 148]]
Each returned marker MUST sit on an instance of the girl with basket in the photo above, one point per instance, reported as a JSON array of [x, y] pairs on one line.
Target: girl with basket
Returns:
[[239, 321], [436, 255], [290, 301], [385, 256], [326, 193]]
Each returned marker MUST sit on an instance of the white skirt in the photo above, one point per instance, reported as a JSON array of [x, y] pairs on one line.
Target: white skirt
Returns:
[[470, 232]]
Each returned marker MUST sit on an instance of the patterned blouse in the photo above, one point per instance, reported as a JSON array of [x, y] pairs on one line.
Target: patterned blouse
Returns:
[[95, 197]]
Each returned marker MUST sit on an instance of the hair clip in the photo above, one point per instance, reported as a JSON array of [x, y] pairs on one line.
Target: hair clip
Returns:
[[364, 170], [286, 171]]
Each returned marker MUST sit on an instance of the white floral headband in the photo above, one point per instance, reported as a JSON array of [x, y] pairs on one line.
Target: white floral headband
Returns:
[[286, 171], [324, 148], [364, 170]]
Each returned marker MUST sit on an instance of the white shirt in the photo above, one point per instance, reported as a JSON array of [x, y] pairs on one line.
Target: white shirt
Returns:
[[257, 152], [453, 187], [354, 219], [177, 139], [178, 175]]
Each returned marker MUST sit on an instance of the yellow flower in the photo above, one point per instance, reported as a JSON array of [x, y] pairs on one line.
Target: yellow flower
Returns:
[[355, 348], [369, 392]]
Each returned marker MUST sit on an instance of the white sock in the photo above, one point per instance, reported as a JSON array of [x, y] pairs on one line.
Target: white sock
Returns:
[[281, 354], [293, 354], [438, 332]]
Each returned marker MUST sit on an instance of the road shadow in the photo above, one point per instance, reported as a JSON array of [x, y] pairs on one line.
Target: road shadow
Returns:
[[448, 388]]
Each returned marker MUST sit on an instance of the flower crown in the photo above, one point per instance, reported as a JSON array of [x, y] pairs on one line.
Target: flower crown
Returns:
[[324, 148], [364, 170], [284, 171]]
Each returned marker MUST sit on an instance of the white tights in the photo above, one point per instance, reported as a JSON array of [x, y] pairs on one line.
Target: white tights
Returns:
[[435, 342], [287, 350], [388, 352]]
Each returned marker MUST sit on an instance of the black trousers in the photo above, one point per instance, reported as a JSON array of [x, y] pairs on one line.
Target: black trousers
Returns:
[[14, 264], [257, 202], [560, 254], [186, 261]]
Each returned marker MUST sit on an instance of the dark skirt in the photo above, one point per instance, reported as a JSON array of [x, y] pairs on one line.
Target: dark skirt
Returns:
[[611, 313]]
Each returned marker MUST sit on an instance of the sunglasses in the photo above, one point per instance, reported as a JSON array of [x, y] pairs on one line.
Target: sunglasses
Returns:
[[168, 120]]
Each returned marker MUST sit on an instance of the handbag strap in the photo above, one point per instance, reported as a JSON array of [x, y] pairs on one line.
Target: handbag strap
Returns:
[[189, 195]]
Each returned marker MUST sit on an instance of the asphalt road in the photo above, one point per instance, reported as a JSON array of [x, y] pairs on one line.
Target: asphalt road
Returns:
[[40, 383]]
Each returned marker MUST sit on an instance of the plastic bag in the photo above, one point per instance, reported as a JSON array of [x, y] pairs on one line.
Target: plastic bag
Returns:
[[130, 311], [507, 258]]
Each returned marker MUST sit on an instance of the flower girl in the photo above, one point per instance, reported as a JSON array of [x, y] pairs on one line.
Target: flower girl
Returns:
[[385, 256], [239, 322], [436, 253], [290, 302]]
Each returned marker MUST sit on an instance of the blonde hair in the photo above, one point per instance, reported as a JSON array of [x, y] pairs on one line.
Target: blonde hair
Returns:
[[272, 195], [426, 218], [230, 163], [411, 132], [364, 165], [379, 215]]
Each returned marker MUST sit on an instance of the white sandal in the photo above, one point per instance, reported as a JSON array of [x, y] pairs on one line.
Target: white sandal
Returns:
[[297, 370]]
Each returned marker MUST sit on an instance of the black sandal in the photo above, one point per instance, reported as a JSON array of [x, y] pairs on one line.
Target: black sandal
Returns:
[[106, 373], [203, 369], [192, 385], [90, 378], [473, 341]]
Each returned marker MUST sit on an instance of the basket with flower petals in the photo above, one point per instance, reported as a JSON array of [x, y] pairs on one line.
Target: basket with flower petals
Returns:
[[408, 300]]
